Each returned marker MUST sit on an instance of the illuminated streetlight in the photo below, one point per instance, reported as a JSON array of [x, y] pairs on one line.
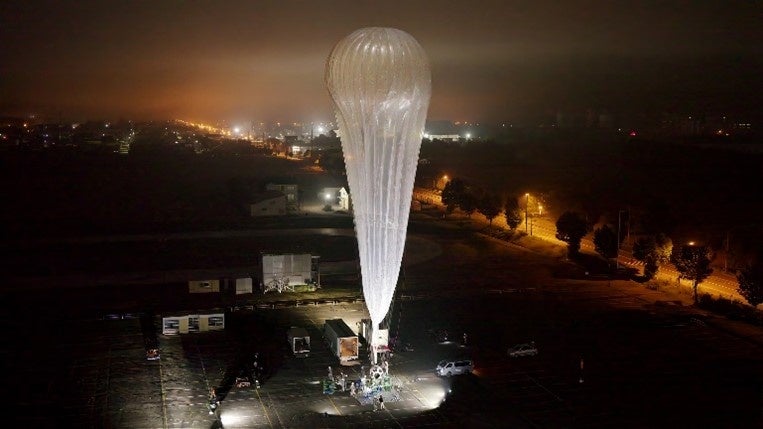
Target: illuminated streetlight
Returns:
[[691, 243], [527, 204]]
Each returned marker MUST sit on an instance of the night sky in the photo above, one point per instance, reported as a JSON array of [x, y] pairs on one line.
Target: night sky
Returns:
[[491, 61]]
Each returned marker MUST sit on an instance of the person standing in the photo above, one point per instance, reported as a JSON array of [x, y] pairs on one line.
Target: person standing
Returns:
[[381, 402]]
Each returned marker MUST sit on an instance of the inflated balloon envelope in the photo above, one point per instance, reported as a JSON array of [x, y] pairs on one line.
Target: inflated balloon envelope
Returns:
[[380, 82]]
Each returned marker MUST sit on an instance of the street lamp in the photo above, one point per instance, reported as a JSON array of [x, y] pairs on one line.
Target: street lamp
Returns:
[[527, 204], [444, 180]]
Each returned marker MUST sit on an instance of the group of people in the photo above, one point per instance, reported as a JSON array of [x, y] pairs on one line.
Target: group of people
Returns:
[[371, 384]]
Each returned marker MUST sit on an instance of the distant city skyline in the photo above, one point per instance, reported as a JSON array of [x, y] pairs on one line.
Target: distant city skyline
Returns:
[[492, 61]]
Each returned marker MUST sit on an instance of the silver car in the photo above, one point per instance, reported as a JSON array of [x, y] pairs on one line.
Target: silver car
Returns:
[[527, 349], [446, 368]]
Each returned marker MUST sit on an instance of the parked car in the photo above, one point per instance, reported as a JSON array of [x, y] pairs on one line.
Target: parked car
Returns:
[[526, 349], [446, 368]]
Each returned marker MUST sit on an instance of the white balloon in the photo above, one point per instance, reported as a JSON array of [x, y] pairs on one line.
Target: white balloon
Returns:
[[380, 82]]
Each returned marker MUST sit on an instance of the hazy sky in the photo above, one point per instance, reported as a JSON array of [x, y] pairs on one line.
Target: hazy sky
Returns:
[[261, 60]]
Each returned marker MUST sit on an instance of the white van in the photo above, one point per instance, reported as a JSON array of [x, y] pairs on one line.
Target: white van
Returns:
[[446, 368]]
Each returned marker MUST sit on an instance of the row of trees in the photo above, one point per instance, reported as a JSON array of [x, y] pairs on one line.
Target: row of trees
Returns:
[[470, 199], [654, 250], [691, 261]]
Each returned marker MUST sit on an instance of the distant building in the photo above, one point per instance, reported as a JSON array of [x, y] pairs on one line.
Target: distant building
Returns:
[[291, 191], [336, 196], [191, 323], [269, 203], [443, 137]]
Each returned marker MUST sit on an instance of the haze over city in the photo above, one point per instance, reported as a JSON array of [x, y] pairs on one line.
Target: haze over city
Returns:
[[492, 61]]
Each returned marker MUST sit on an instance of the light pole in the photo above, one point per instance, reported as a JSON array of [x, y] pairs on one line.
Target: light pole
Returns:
[[527, 204], [619, 223], [436, 181]]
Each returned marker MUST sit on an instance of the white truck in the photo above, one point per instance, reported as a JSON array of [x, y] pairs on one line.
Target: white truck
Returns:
[[342, 341], [378, 337], [299, 341]]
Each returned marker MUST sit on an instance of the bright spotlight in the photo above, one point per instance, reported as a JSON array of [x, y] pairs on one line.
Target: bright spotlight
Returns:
[[231, 418]]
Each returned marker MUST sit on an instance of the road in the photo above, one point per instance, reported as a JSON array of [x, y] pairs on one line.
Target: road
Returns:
[[718, 284]]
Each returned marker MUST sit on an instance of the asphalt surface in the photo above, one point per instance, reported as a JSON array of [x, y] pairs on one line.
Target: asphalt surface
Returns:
[[612, 354]]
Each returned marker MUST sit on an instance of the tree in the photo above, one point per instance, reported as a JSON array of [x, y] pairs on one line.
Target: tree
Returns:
[[693, 263], [653, 251], [751, 282], [605, 242], [490, 206], [452, 193], [333, 162], [513, 213], [571, 227], [469, 203]]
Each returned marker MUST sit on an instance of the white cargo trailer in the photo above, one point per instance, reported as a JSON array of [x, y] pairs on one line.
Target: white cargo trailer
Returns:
[[376, 337], [342, 341]]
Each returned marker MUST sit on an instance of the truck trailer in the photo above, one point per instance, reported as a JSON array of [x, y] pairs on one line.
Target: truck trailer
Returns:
[[378, 337], [299, 341], [342, 341]]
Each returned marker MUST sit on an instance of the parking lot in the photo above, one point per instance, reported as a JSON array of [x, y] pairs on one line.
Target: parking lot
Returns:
[[650, 363], [644, 361]]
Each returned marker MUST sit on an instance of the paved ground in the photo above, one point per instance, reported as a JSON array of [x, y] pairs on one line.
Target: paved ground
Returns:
[[648, 360], [646, 365]]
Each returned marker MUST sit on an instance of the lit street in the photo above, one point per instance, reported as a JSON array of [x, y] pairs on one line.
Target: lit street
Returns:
[[719, 283]]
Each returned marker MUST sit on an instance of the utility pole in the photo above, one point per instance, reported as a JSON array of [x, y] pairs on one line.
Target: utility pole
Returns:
[[527, 203], [726, 255], [619, 225]]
